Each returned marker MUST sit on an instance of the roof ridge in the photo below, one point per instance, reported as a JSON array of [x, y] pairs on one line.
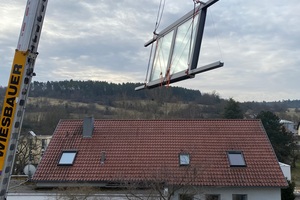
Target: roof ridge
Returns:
[[165, 119]]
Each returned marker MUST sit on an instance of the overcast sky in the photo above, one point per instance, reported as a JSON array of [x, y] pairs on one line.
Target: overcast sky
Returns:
[[258, 41]]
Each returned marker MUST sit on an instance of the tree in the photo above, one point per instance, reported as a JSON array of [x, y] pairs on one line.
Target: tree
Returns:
[[288, 193], [27, 153], [164, 184], [281, 140], [82, 192], [232, 110]]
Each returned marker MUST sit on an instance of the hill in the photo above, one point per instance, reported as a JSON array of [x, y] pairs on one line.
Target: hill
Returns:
[[51, 101]]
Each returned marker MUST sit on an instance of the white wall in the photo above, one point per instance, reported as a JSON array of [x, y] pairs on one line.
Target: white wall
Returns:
[[259, 193], [286, 170], [49, 196]]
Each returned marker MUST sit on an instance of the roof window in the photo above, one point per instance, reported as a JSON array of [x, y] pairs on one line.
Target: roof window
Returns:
[[184, 159], [67, 157], [236, 159]]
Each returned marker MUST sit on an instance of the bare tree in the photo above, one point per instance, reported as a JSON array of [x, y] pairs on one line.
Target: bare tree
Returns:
[[74, 193], [82, 192], [28, 151], [164, 184]]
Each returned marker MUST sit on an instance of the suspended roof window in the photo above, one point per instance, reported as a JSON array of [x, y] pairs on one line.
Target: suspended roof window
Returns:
[[67, 157], [184, 159], [177, 50], [236, 159]]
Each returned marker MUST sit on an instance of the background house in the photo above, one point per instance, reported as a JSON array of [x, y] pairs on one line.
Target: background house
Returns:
[[210, 159], [290, 126], [30, 151], [286, 170]]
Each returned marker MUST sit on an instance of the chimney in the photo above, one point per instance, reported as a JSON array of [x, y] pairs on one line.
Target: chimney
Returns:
[[88, 127]]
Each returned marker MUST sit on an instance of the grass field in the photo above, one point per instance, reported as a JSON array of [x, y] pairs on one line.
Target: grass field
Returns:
[[296, 174]]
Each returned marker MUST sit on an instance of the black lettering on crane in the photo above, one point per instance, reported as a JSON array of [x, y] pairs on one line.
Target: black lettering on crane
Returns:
[[17, 69], [11, 101], [5, 122], [12, 92], [3, 133]]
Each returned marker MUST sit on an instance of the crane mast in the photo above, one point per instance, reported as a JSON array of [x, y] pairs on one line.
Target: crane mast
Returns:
[[18, 87]]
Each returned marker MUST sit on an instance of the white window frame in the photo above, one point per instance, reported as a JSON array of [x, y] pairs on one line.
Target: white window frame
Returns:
[[197, 16]]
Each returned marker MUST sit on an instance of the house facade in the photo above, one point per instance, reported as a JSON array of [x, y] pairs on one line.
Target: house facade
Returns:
[[290, 126], [30, 151], [180, 159]]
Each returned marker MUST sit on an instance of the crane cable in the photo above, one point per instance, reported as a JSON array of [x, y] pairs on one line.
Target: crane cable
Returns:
[[157, 23], [159, 15]]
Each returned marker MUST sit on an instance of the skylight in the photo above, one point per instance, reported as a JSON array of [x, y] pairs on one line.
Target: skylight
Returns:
[[236, 159], [67, 158], [184, 159]]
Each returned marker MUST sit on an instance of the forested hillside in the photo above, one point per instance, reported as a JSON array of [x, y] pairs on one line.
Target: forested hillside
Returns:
[[104, 92], [51, 101]]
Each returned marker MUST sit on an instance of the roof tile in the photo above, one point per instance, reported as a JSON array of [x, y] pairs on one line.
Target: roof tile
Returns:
[[149, 149]]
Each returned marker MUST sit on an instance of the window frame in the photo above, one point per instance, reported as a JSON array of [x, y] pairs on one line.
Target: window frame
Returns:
[[181, 161], [209, 196], [44, 143], [233, 163], [65, 163], [186, 196], [197, 16], [239, 196]]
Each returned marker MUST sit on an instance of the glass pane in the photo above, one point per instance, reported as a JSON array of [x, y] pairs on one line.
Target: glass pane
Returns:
[[212, 197], [160, 62], [67, 158], [183, 46], [184, 159], [239, 197], [236, 159], [186, 197]]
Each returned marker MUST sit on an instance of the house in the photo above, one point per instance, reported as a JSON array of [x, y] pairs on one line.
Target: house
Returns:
[[41, 145], [207, 159], [30, 151], [286, 169], [289, 126]]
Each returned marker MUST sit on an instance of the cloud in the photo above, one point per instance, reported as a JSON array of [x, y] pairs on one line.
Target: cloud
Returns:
[[86, 40]]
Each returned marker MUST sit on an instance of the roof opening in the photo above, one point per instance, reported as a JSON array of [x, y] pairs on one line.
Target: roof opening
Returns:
[[67, 157], [88, 126], [236, 159], [184, 159]]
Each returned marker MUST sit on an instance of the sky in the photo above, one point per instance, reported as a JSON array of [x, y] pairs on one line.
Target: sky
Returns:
[[258, 41]]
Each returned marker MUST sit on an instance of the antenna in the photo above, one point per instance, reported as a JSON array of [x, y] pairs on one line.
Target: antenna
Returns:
[[29, 170]]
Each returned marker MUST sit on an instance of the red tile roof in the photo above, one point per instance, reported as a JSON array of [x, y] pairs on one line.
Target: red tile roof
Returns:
[[139, 150]]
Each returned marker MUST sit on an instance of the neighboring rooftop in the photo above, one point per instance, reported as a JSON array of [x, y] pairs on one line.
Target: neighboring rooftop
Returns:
[[137, 150]]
